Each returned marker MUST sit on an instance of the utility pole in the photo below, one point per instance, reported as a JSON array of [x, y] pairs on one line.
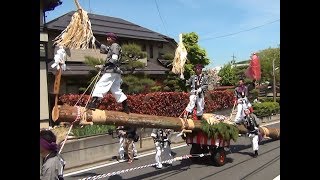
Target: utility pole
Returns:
[[233, 57], [274, 82]]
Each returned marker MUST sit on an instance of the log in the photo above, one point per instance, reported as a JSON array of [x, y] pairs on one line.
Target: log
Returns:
[[69, 114], [66, 113]]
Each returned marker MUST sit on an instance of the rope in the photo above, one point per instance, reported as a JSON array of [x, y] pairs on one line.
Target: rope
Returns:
[[77, 119], [79, 113], [95, 80], [96, 77], [234, 105], [101, 176]]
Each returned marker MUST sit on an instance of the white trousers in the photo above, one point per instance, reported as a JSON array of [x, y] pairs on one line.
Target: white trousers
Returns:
[[194, 99], [240, 111], [166, 153], [121, 148], [109, 82], [254, 141]]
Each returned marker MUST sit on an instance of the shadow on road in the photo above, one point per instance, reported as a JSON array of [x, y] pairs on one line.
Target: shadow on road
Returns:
[[239, 147], [115, 177], [85, 174]]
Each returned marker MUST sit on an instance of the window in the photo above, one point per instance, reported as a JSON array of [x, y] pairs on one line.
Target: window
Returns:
[[151, 51], [42, 50]]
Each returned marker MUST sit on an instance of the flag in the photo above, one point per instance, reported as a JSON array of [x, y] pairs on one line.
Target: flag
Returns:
[[254, 70]]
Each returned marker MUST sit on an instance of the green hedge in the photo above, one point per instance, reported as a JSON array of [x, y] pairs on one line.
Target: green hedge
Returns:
[[92, 130], [266, 109], [269, 99]]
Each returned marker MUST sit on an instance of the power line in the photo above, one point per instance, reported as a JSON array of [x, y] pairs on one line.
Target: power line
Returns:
[[161, 17], [241, 31]]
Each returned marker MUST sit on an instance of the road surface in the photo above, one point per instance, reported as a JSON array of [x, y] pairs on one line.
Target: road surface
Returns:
[[240, 165]]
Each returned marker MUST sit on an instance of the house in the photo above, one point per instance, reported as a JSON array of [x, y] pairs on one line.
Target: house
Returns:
[[77, 73], [45, 5]]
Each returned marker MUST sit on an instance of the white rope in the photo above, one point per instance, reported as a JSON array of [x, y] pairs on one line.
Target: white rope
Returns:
[[78, 109], [95, 79], [100, 176], [77, 119]]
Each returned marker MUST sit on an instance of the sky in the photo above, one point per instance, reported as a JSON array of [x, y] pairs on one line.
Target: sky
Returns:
[[226, 28]]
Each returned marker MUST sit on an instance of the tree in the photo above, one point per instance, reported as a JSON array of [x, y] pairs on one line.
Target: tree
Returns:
[[213, 78], [196, 54], [228, 75], [266, 57], [173, 83], [133, 84], [131, 53]]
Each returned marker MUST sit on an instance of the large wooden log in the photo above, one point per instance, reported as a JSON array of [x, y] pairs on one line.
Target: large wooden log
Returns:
[[67, 113], [70, 113]]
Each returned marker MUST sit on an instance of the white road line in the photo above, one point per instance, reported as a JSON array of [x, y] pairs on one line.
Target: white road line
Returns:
[[109, 164], [277, 178], [143, 155]]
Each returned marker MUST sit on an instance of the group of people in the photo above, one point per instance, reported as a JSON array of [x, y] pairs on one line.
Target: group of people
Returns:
[[127, 137], [110, 80]]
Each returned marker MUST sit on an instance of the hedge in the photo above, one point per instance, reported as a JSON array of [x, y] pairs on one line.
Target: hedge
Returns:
[[269, 99], [92, 130], [169, 104], [266, 109]]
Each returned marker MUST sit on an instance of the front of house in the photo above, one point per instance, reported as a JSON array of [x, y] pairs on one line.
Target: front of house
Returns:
[[77, 73]]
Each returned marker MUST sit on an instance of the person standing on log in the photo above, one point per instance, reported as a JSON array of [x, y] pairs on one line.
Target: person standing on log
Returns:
[[241, 99], [249, 121], [111, 74], [52, 163], [199, 85], [161, 138]]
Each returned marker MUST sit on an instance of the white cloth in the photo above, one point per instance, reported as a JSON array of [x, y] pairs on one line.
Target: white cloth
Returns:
[[112, 82], [254, 141], [243, 104], [162, 149], [59, 59], [194, 99], [121, 148]]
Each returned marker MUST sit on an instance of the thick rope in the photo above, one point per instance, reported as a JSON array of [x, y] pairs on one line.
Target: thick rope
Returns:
[[101, 176]]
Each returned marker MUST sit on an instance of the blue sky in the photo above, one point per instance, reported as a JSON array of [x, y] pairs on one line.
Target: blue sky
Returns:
[[255, 24]]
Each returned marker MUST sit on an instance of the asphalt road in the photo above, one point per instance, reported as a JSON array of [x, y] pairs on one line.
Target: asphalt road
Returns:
[[240, 165]]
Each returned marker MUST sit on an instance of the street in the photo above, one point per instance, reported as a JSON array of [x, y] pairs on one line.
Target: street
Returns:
[[240, 165]]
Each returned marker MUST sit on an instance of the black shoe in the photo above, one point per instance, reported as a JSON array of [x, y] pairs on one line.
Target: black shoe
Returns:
[[199, 117], [93, 103], [125, 107], [255, 154], [189, 115]]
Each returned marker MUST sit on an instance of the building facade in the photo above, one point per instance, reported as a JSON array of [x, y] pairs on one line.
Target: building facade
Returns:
[[77, 74]]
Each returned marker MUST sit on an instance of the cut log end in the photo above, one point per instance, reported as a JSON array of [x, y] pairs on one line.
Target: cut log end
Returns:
[[55, 113]]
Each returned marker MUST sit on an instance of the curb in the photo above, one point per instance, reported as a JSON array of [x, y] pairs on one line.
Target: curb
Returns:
[[109, 160]]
